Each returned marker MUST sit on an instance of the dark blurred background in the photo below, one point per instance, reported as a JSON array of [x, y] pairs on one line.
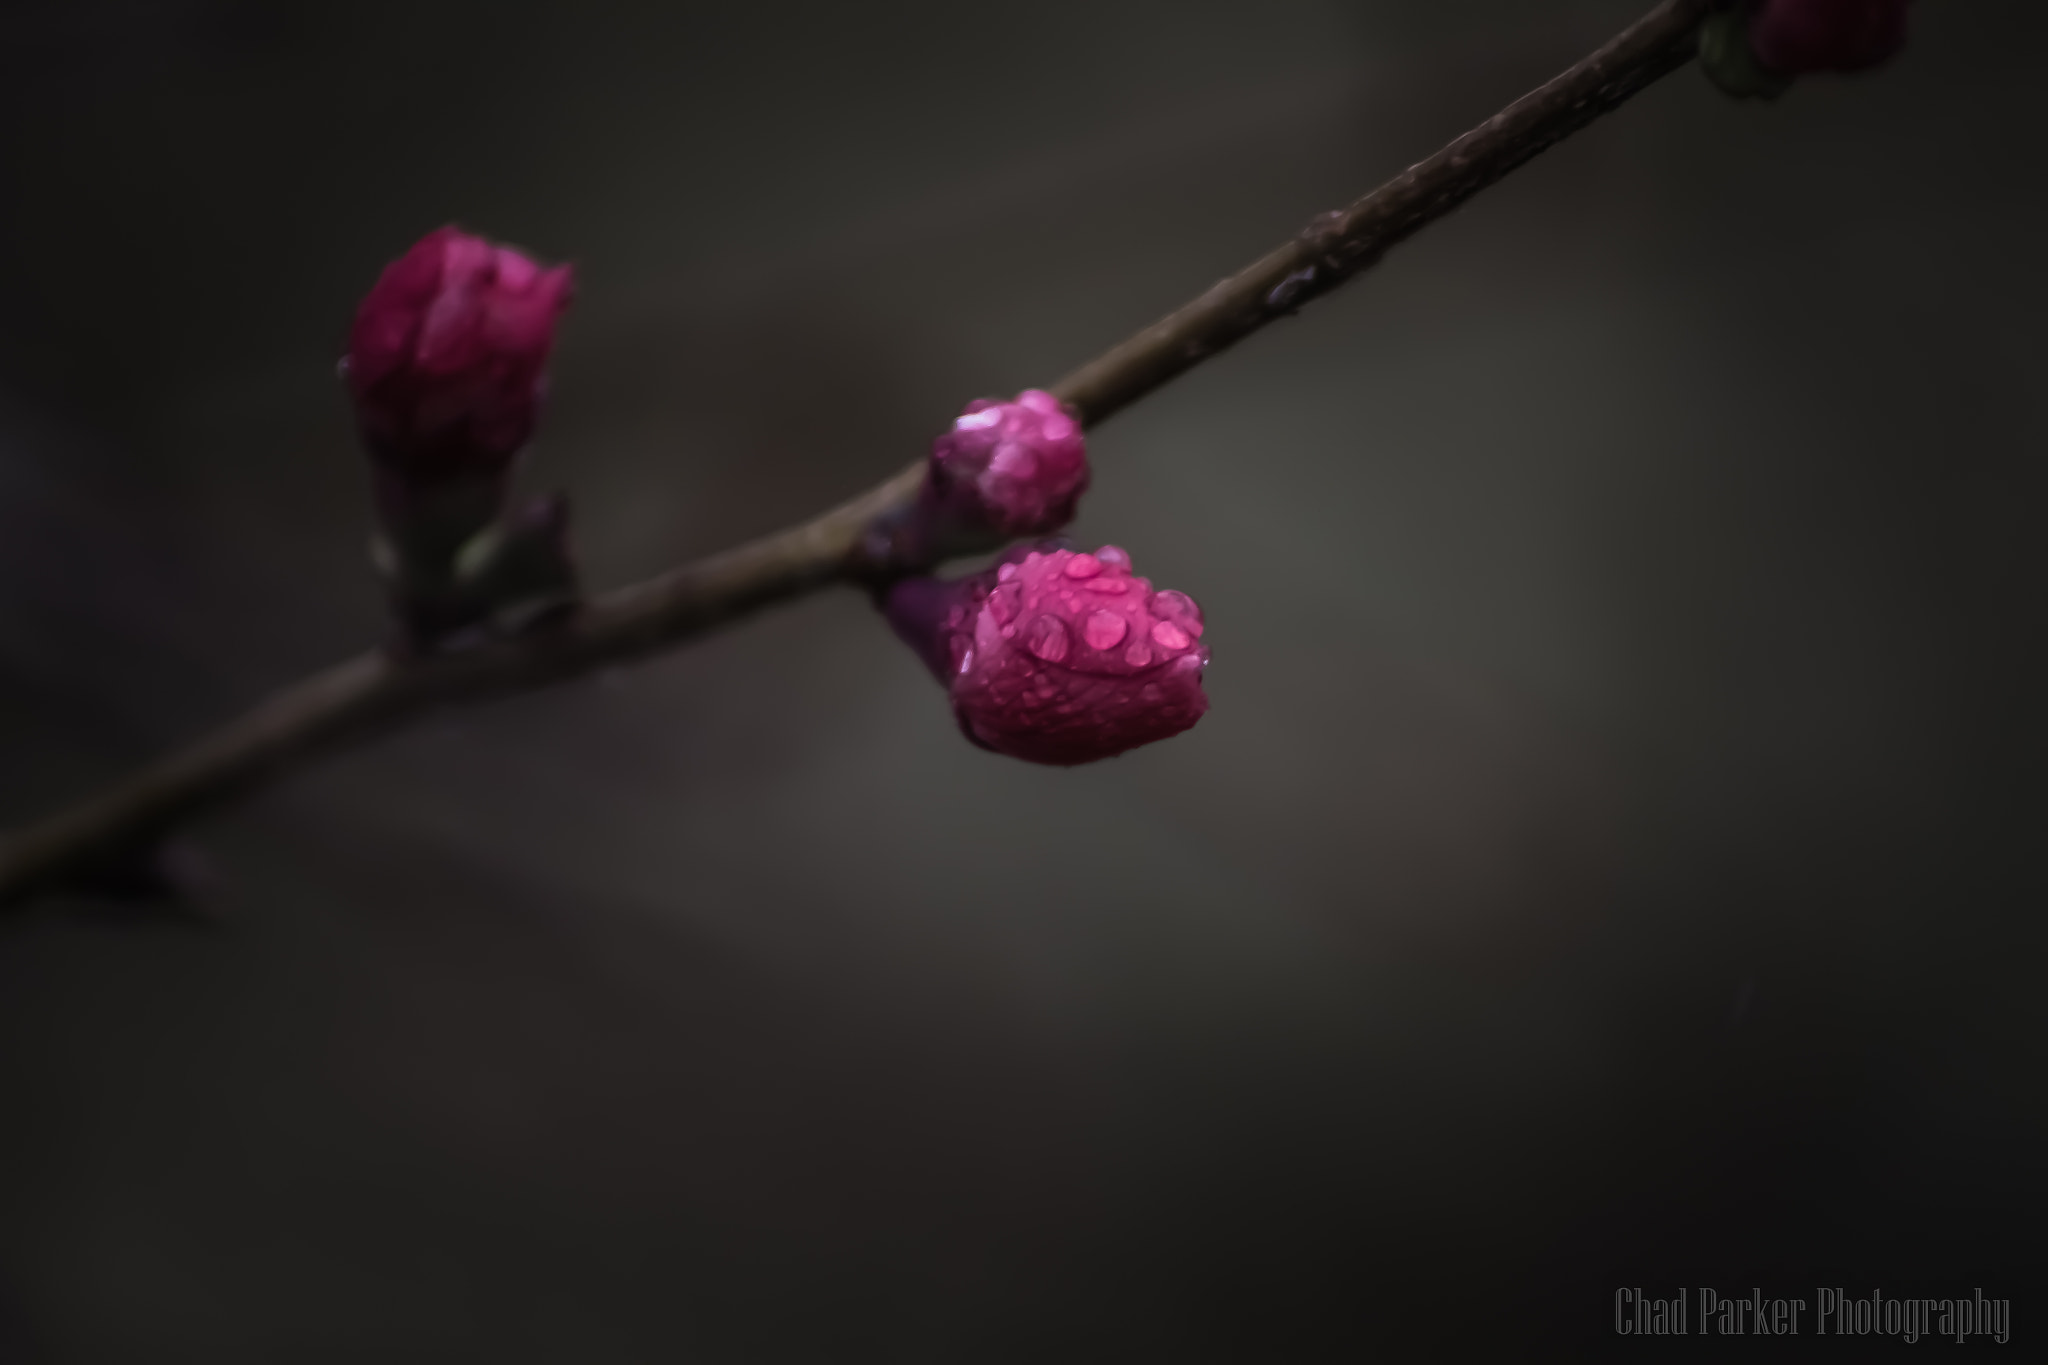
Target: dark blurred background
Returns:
[[1615, 855]]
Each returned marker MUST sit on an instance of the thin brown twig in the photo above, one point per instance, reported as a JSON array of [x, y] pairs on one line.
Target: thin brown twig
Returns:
[[377, 691]]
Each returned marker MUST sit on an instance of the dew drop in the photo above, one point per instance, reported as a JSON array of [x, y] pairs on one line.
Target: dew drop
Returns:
[[1104, 630], [1178, 608], [1149, 692], [1002, 603], [1046, 637], [1005, 573], [1083, 566], [963, 656], [1114, 557], [1169, 636], [1109, 585], [1138, 655]]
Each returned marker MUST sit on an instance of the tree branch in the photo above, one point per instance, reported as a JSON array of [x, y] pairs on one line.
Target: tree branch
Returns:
[[378, 691]]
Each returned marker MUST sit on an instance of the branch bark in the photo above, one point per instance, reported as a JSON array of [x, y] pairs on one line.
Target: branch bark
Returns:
[[378, 691]]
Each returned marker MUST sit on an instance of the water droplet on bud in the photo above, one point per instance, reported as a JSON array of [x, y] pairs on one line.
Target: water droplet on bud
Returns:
[[1178, 608], [1046, 637], [1104, 630]]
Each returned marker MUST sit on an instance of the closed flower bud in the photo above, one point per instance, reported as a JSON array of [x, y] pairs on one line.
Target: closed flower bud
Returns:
[[1012, 468], [1791, 37], [447, 357], [1058, 657]]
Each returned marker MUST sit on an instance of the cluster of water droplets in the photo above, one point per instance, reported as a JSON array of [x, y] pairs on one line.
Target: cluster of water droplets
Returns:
[[1069, 657]]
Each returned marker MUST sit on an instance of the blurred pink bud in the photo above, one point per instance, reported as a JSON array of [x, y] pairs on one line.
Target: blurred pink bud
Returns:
[[1017, 469], [447, 355], [1794, 36], [1057, 657]]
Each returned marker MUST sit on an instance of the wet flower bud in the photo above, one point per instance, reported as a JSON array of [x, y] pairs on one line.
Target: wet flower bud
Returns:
[[1058, 657], [1790, 37], [446, 360], [1013, 468]]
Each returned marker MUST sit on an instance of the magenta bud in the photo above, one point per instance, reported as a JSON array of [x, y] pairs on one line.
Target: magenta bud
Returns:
[[1791, 37], [447, 358], [1011, 468], [1058, 657]]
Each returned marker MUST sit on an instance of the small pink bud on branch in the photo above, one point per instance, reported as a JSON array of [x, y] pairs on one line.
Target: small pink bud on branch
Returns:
[[1057, 657], [1012, 468], [448, 356], [1758, 46], [1007, 469], [447, 365], [1792, 37]]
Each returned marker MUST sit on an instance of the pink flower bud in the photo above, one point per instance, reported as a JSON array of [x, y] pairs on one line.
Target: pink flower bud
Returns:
[[1057, 657], [446, 358], [1016, 469], [1794, 36]]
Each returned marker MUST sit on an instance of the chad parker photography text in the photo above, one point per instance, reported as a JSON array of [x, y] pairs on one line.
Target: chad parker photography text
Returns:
[[1831, 1312]]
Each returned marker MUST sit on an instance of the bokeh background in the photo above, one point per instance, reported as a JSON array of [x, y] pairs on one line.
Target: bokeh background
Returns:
[[1614, 856]]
